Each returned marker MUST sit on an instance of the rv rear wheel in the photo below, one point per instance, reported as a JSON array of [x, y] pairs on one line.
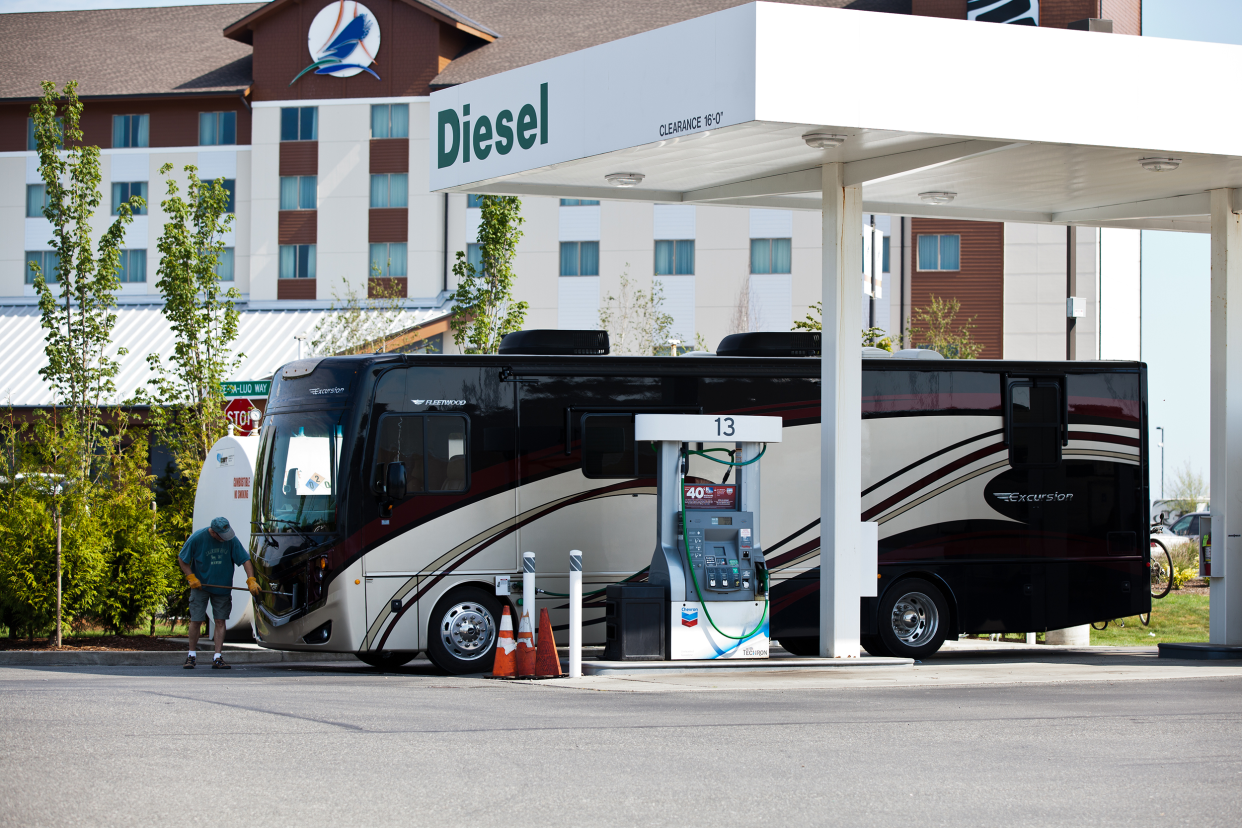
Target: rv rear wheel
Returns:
[[912, 618], [461, 636], [387, 659]]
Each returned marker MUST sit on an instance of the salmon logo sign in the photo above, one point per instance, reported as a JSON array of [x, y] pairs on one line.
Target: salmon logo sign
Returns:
[[343, 40]]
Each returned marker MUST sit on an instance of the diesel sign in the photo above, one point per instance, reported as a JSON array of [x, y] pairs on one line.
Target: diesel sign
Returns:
[[456, 137]]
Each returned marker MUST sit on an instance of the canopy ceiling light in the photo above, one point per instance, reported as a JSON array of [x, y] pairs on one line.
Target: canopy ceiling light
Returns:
[[937, 198], [823, 140], [1160, 164], [624, 179]]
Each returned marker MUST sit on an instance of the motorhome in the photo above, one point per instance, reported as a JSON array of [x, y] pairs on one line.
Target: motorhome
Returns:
[[393, 491]]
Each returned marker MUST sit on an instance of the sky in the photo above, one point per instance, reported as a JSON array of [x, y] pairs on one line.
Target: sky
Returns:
[[1176, 270]]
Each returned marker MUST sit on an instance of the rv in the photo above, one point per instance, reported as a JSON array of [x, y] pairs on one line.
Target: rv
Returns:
[[393, 492]]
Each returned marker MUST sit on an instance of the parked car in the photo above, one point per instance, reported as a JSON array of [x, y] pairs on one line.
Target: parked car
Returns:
[[1182, 530]]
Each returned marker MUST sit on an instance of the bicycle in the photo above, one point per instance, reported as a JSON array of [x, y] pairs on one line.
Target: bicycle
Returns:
[[1143, 617], [1160, 569]]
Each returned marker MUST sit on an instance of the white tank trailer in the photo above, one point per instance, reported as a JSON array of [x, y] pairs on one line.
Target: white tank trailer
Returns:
[[224, 490]]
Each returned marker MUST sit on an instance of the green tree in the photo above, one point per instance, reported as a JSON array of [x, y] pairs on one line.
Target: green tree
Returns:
[[360, 324], [187, 413], [935, 326], [1188, 490], [484, 307], [635, 319], [871, 337], [77, 317]]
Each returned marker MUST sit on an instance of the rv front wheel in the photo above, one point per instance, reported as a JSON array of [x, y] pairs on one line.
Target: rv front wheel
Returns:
[[912, 619], [387, 659], [461, 637]]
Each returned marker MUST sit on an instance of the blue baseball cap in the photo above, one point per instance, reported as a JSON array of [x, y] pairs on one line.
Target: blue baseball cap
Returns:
[[221, 527]]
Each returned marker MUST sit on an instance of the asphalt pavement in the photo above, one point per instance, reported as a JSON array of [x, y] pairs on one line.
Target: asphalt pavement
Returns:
[[999, 739]]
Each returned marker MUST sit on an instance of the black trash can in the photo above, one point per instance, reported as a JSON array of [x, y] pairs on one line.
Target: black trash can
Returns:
[[636, 619]]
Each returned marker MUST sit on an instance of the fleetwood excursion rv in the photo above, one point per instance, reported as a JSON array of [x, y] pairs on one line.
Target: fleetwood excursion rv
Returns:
[[392, 490]]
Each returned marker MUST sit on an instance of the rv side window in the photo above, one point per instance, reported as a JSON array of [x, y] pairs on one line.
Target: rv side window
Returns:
[[1035, 421], [608, 448], [432, 449]]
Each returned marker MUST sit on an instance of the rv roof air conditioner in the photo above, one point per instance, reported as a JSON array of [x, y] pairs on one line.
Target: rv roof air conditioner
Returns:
[[917, 353], [771, 344], [555, 343]]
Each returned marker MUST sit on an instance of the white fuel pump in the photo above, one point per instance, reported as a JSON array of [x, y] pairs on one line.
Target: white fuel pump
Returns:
[[709, 553]]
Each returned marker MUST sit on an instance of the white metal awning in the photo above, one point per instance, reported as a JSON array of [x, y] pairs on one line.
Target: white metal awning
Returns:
[[1022, 124]]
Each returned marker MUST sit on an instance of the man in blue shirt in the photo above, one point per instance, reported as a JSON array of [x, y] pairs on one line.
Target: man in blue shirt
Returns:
[[208, 557]]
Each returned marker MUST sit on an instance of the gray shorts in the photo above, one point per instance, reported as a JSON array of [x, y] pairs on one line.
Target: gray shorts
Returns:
[[221, 605]]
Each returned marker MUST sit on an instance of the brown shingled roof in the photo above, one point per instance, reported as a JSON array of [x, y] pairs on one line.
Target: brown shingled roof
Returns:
[[158, 51], [535, 30]]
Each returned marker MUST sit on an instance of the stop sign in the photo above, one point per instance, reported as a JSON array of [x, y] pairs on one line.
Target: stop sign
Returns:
[[242, 415]]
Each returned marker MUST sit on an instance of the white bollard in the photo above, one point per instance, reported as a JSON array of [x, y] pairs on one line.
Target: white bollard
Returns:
[[575, 613], [528, 589], [1030, 638]]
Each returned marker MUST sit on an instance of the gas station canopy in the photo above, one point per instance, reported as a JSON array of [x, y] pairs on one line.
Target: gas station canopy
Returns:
[[784, 106], [714, 110]]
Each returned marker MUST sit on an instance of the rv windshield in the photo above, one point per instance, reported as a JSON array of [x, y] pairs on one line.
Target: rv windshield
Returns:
[[297, 472]]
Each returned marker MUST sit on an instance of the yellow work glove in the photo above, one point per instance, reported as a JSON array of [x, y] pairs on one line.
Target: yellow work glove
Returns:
[[195, 583], [253, 586]]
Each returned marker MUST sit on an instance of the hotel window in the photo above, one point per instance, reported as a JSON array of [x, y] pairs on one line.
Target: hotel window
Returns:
[[472, 200], [940, 252], [130, 131], [297, 261], [579, 202], [123, 190], [298, 192], [36, 200], [390, 190], [224, 265], [390, 120], [47, 260], [31, 143], [474, 255], [230, 187], [770, 255], [674, 258], [388, 259], [299, 123], [133, 267], [216, 128], [580, 258], [884, 248]]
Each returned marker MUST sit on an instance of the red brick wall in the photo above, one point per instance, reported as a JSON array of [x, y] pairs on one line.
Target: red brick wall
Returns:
[[978, 285], [299, 158], [174, 121], [389, 224], [298, 226], [408, 57], [390, 155], [954, 9]]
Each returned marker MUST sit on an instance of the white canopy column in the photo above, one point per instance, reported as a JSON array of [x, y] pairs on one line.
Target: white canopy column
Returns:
[[1226, 420], [840, 420]]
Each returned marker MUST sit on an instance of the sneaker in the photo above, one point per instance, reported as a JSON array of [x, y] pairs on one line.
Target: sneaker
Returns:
[[190, 661], [218, 664]]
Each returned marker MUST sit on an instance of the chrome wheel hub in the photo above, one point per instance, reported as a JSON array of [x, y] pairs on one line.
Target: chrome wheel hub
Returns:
[[915, 619], [467, 630]]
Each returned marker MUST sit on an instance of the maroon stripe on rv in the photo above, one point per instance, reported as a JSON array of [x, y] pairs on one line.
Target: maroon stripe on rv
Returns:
[[1101, 437], [943, 472], [1105, 407], [928, 403], [793, 554], [616, 487]]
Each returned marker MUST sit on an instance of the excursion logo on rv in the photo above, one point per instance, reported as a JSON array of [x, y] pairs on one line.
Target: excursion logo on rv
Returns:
[[475, 135], [1018, 497]]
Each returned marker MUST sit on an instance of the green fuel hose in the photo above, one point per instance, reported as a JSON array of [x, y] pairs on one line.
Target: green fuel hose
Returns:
[[686, 547]]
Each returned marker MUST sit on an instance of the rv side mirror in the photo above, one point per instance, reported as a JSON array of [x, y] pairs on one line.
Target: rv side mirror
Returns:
[[291, 483], [395, 481]]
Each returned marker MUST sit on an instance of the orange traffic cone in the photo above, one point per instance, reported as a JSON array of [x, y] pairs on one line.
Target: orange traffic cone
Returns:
[[525, 648], [547, 662], [505, 665]]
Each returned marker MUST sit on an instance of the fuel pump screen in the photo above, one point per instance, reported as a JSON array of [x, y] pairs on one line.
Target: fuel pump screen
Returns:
[[703, 496]]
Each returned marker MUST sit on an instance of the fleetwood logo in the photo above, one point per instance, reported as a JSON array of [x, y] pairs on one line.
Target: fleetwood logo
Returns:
[[343, 40], [689, 616], [438, 402]]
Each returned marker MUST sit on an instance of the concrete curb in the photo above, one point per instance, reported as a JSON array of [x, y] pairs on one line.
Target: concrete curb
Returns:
[[733, 666], [149, 658]]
